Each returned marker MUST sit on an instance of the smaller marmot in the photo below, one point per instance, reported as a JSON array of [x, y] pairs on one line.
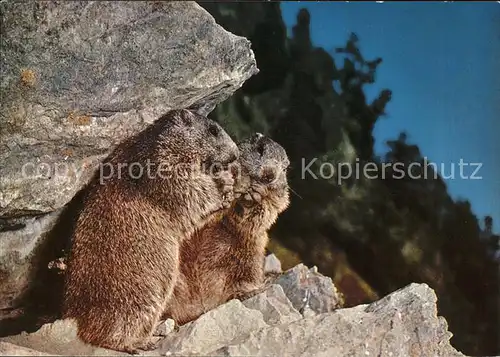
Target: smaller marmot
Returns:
[[153, 192], [225, 259]]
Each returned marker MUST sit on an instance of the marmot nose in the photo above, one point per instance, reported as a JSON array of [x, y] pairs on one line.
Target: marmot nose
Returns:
[[233, 158]]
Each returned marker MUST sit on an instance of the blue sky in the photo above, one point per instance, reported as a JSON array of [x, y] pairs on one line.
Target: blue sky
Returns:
[[442, 62]]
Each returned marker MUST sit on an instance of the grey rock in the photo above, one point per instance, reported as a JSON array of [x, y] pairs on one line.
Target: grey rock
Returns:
[[16, 249], [309, 290], [9, 349], [272, 264], [78, 77], [274, 305], [58, 338], [226, 324], [405, 323], [165, 327]]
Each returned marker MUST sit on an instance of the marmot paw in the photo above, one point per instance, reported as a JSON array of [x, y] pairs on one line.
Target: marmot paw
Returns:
[[147, 345], [225, 181]]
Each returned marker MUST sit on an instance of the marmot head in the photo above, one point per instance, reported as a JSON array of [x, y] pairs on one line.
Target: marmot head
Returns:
[[263, 160], [187, 137]]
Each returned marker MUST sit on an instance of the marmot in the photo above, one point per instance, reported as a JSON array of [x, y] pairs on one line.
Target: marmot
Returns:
[[124, 259], [225, 259]]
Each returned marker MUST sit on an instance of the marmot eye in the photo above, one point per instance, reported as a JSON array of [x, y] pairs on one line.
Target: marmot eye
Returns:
[[260, 149], [213, 129]]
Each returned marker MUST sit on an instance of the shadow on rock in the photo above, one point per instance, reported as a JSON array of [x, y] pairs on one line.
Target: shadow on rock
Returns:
[[41, 301]]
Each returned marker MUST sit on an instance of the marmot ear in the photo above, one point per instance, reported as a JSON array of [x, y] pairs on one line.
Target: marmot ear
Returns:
[[187, 117], [181, 117]]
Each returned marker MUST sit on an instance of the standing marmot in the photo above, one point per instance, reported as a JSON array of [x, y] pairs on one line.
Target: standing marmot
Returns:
[[225, 259], [124, 259]]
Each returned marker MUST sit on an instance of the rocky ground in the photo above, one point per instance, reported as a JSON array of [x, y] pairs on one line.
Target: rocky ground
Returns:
[[299, 314]]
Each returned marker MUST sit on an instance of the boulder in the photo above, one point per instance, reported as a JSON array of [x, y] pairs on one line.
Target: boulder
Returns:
[[212, 330], [76, 79], [309, 291], [275, 307], [9, 349], [58, 338], [165, 327], [272, 264], [404, 323]]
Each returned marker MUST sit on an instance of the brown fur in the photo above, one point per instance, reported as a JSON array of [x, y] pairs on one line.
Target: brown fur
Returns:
[[225, 259], [124, 259]]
